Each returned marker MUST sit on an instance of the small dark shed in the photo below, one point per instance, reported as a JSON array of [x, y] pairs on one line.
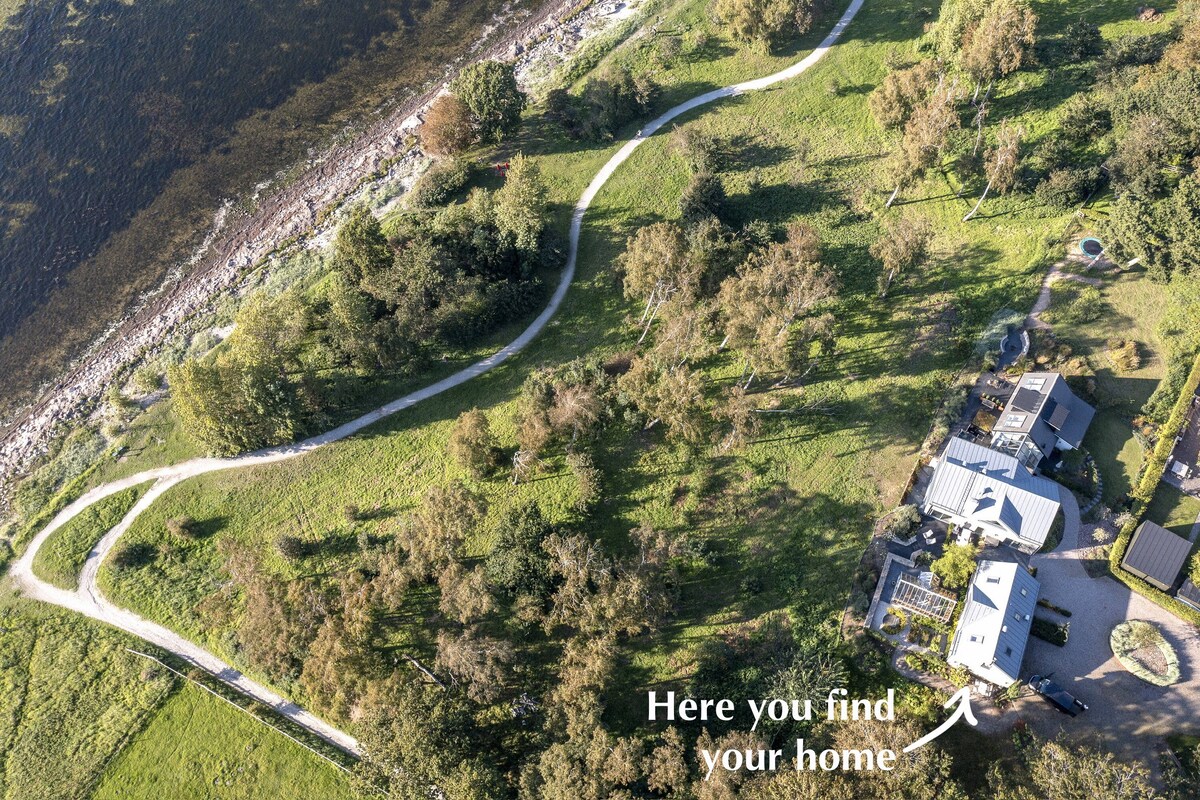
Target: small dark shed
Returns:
[[1156, 555]]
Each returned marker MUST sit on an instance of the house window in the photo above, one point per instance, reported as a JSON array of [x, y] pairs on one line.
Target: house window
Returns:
[[1024, 593], [1017, 616], [1008, 651]]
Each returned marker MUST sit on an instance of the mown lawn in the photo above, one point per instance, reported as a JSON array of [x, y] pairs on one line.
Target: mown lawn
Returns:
[[1131, 308], [1173, 509], [197, 745], [791, 514]]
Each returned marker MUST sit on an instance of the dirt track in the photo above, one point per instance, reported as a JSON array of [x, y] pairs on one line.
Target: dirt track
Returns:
[[89, 601], [233, 248]]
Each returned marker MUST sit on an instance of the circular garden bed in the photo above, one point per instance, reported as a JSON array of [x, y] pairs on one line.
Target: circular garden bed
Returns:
[[1141, 649]]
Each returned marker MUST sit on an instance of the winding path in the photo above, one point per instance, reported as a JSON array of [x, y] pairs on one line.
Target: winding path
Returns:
[[88, 600]]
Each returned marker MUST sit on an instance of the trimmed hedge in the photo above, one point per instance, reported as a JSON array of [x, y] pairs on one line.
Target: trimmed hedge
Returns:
[[1156, 464], [1152, 472]]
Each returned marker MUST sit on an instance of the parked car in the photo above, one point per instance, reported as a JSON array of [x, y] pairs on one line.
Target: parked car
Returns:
[[1058, 697]]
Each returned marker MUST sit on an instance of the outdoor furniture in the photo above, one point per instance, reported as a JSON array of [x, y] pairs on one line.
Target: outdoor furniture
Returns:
[[928, 535]]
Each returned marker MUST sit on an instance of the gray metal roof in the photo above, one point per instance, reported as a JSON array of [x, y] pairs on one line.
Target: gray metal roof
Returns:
[[994, 627], [1044, 407], [1157, 553], [987, 486]]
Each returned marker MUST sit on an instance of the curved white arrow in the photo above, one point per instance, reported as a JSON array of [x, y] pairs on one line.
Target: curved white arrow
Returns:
[[963, 698]]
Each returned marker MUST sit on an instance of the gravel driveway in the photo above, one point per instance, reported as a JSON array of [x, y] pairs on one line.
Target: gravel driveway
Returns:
[[1128, 715]]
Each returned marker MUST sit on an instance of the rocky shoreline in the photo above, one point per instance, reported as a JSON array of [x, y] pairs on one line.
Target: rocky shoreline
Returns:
[[383, 154]]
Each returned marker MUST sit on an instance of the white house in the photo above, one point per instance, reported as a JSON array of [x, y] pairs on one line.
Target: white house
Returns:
[[990, 493], [994, 627]]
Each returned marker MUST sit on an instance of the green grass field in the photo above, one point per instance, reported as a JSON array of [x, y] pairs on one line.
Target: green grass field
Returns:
[[1132, 306], [198, 746], [70, 698], [61, 557], [1173, 509], [795, 509]]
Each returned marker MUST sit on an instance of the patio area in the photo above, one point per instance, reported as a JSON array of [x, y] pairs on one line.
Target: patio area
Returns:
[[1183, 471]]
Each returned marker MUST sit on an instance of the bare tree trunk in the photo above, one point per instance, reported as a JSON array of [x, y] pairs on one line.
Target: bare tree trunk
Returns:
[[650, 321], [892, 199], [649, 302], [750, 380], [724, 342], [979, 115], [975, 96], [978, 203], [424, 670]]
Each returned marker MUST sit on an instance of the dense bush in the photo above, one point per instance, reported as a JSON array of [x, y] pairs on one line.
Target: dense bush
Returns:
[[607, 103], [446, 277], [440, 184]]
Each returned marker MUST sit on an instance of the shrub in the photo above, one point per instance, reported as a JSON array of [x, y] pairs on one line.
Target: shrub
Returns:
[[1124, 354], [290, 547], [1082, 41], [956, 566], [902, 521], [472, 443], [182, 527], [133, 556], [1066, 187], [440, 183], [1055, 633], [702, 198]]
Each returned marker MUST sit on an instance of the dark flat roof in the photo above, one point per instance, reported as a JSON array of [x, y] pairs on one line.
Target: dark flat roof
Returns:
[[1157, 553]]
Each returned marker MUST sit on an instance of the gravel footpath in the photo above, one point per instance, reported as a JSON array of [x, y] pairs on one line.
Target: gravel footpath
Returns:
[[88, 600]]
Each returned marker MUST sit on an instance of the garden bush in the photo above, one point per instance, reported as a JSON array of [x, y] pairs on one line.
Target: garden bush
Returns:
[[1141, 649]]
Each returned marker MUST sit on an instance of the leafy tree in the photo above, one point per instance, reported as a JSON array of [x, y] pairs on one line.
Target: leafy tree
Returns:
[[1001, 163], [420, 741], [999, 43], [472, 443], [673, 397], [925, 135], [702, 198], [608, 101], [956, 566], [1060, 770], [448, 128], [903, 245], [655, 268], [520, 209], [489, 89], [518, 565], [902, 90], [763, 23], [477, 662], [464, 594], [360, 248], [446, 517], [772, 308]]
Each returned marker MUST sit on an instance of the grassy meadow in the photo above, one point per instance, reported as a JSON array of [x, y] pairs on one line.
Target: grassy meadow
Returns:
[[789, 515], [70, 698], [61, 558], [196, 745]]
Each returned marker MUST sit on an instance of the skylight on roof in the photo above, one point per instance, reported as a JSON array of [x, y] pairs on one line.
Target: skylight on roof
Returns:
[[1036, 383], [1014, 420]]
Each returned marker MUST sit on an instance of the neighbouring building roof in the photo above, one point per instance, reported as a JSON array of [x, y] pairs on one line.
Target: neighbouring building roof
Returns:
[[1045, 408], [1190, 594], [1156, 554], [994, 627], [992, 489]]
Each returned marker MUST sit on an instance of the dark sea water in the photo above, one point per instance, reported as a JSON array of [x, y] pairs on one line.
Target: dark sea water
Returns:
[[101, 101]]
